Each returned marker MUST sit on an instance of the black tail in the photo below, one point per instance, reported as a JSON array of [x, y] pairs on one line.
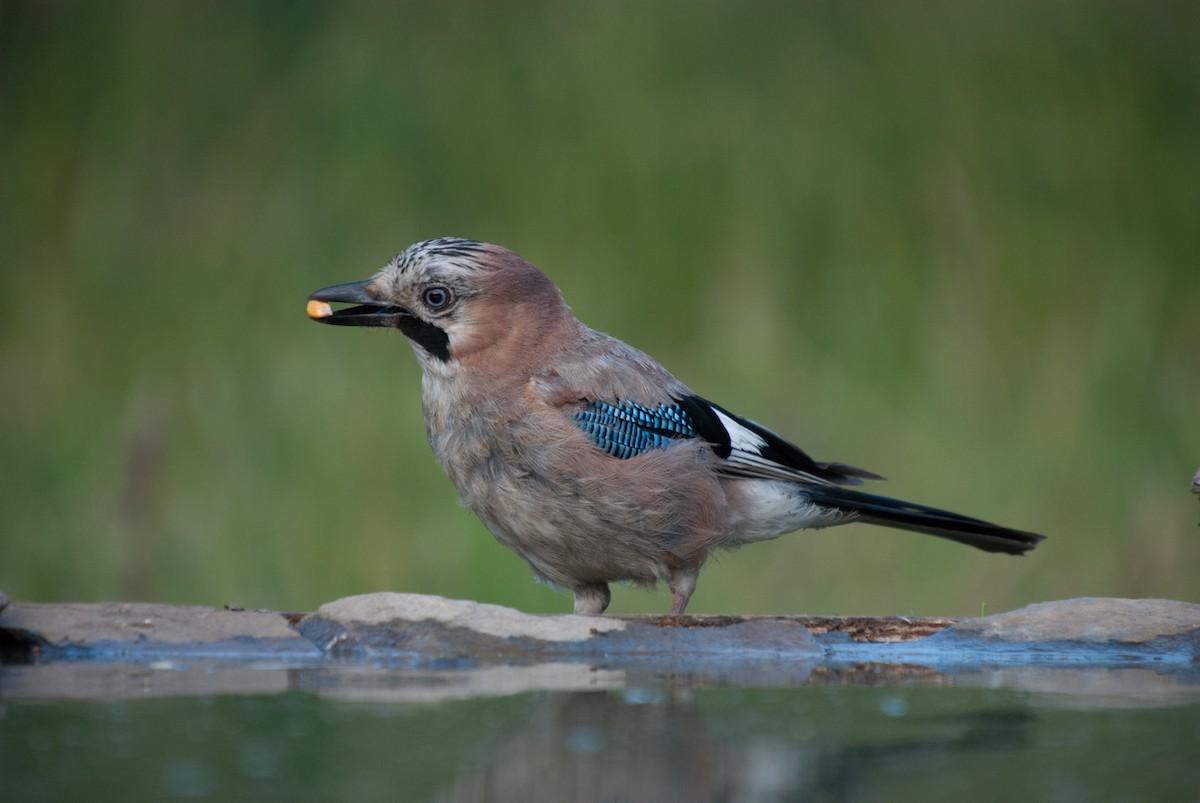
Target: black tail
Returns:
[[921, 519]]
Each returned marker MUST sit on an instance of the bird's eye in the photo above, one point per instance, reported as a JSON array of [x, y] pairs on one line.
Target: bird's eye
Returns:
[[436, 297]]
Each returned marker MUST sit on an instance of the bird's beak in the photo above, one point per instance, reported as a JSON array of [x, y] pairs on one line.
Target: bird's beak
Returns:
[[370, 311]]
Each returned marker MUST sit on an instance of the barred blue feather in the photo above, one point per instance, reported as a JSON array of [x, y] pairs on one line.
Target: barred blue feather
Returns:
[[627, 429]]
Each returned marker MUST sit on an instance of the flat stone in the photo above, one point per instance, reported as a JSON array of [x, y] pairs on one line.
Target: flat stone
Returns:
[[116, 625], [390, 608], [1088, 619], [425, 631]]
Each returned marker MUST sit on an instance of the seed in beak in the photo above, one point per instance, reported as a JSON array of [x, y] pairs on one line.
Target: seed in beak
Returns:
[[318, 309]]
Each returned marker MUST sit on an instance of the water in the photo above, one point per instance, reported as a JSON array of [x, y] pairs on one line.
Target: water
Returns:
[[861, 732]]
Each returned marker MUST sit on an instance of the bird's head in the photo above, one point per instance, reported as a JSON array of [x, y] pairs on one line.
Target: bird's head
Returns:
[[458, 301]]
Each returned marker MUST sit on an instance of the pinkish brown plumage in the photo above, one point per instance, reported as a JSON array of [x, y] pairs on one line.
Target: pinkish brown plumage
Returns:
[[583, 454]]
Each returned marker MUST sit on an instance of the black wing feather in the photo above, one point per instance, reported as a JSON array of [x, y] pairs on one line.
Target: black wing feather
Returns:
[[774, 452]]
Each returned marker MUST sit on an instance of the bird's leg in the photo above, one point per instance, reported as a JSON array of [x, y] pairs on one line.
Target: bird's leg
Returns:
[[592, 598], [682, 584]]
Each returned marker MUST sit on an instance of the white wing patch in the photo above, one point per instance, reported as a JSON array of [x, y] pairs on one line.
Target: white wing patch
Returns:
[[746, 456], [740, 438]]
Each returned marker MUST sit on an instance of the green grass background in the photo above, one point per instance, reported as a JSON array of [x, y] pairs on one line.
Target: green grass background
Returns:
[[955, 243]]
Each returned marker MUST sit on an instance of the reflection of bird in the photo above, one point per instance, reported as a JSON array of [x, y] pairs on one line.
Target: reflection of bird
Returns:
[[583, 454]]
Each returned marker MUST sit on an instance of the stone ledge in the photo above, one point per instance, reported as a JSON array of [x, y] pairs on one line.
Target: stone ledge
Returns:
[[420, 630], [408, 648], [1089, 619], [110, 630]]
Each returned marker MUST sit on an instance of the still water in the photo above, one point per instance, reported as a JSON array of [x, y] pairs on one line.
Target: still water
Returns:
[[314, 734]]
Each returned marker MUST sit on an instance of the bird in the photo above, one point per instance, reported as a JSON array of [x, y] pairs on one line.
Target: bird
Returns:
[[584, 455]]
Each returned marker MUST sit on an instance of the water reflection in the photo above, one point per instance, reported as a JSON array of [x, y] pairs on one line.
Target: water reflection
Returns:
[[374, 732], [605, 747]]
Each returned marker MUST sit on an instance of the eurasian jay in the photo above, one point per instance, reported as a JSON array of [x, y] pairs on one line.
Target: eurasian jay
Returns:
[[584, 455]]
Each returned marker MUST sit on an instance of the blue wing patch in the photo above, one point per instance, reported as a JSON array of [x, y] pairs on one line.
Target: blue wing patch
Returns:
[[628, 429]]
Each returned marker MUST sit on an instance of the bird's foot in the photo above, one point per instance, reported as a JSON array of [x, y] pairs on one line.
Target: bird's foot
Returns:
[[682, 585], [592, 598]]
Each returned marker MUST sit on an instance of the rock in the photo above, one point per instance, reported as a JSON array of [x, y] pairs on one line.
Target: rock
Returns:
[[1088, 619], [3, 601], [413, 647], [388, 608], [120, 627], [426, 632], [431, 631]]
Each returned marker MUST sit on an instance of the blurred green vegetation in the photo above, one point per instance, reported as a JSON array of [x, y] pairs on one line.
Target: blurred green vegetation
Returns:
[[953, 243]]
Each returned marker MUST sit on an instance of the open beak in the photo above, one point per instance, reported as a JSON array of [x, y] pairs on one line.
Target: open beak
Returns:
[[369, 311]]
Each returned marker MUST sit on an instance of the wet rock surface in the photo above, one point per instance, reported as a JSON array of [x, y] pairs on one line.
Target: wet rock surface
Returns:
[[389, 621], [423, 629], [1089, 619], [413, 647], [112, 629]]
